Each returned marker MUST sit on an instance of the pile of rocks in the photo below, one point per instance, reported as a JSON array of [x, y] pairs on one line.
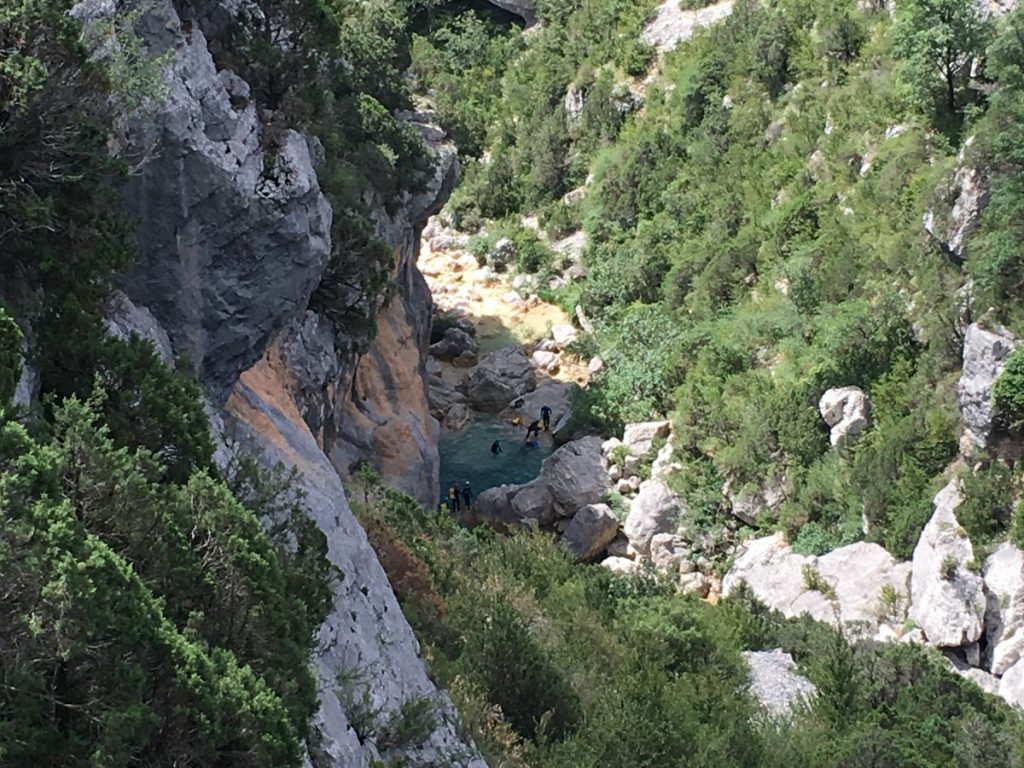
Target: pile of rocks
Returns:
[[941, 597]]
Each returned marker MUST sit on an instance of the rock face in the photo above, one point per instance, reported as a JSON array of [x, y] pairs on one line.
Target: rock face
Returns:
[[846, 411], [365, 632], [774, 683], [521, 8], [947, 600], [654, 510], [970, 186], [1004, 607], [672, 25], [499, 379], [232, 244], [985, 354], [122, 320], [865, 586], [590, 531], [234, 241], [575, 476]]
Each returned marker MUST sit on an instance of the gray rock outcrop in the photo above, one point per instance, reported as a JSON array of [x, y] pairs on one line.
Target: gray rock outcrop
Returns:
[[235, 239], [1004, 611], [947, 599], [985, 354], [575, 476], [499, 378], [654, 510], [122, 319], [952, 230], [846, 410], [591, 529], [774, 683]]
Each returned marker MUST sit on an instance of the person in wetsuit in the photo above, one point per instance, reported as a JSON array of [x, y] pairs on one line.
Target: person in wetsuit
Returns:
[[545, 414], [495, 447]]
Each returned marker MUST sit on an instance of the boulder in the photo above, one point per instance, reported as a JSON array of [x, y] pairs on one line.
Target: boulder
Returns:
[[619, 546], [775, 574], [533, 501], [846, 411], [866, 586], [985, 354], [654, 510], [667, 550], [663, 466], [595, 366], [870, 586], [456, 343], [1004, 607], [556, 395], [575, 476], [693, 581], [947, 600], [750, 502], [457, 417], [546, 361], [499, 378], [639, 438], [775, 684], [442, 396], [590, 531], [1011, 684], [563, 335], [492, 507], [620, 565]]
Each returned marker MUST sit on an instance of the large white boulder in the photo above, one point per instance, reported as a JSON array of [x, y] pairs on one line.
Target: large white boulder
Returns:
[[1004, 611], [775, 684], [866, 587], [985, 354], [1011, 684], [590, 531], [947, 599], [846, 411], [654, 510], [638, 438]]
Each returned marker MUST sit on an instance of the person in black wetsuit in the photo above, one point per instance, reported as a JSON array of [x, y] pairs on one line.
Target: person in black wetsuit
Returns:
[[533, 429], [495, 447], [545, 414], [467, 494]]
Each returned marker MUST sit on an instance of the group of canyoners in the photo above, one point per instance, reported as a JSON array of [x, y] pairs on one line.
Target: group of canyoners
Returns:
[[456, 498]]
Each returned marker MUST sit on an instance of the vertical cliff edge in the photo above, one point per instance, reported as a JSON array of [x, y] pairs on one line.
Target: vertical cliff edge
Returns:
[[233, 241]]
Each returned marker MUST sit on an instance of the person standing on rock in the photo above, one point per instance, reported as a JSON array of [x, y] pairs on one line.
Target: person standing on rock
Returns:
[[533, 429], [453, 497], [467, 495], [545, 414]]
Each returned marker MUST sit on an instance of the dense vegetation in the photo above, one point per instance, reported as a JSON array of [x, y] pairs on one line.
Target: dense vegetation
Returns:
[[756, 228], [556, 664]]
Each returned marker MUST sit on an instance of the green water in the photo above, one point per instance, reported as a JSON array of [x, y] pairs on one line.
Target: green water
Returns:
[[466, 455]]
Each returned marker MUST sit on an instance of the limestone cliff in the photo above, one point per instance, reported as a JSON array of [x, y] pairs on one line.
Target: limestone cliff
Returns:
[[232, 245]]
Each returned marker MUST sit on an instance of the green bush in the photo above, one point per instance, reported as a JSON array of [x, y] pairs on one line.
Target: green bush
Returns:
[[1008, 393]]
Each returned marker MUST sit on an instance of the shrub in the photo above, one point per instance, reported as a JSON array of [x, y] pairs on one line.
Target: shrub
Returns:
[[1008, 393]]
